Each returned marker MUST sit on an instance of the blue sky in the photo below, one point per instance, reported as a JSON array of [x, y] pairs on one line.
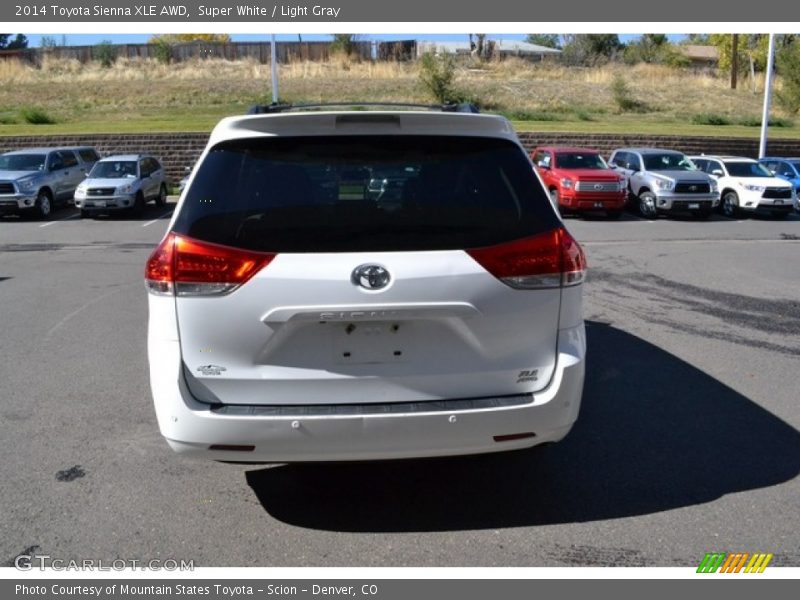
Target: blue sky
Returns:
[[74, 39]]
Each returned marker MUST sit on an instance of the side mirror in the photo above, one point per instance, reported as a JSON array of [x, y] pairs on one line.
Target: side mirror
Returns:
[[717, 173], [542, 165]]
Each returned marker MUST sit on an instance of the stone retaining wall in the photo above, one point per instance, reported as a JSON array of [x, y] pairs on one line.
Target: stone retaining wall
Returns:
[[180, 150]]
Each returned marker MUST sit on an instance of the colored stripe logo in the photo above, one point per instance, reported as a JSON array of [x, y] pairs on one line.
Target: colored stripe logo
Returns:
[[737, 562]]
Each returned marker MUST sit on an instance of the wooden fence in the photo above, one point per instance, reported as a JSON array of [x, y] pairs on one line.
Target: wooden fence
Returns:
[[258, 51]]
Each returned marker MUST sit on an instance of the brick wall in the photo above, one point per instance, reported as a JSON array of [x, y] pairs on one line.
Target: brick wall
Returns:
[[179, 150]]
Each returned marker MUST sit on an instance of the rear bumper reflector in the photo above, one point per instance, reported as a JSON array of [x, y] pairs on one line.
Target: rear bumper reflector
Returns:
[[231, 447], [510, 437]]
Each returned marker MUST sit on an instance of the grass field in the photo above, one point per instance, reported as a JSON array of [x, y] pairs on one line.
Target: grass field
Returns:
[[146, 96]]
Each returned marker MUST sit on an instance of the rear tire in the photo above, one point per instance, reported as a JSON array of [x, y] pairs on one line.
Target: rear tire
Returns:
[[85, 214], [614, 214], [780, 214]]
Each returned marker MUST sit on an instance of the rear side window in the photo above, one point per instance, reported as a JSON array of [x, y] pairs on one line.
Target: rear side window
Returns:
[[88, 155], [364, 193], [68, 158]]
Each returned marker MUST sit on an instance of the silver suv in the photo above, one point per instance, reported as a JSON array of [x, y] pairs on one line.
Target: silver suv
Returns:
[[124, 182], [299, 311], [37, 180], [661, 181]]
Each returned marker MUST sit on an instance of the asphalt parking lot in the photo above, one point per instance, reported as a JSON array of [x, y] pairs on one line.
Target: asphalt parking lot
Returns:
[[687, 440]]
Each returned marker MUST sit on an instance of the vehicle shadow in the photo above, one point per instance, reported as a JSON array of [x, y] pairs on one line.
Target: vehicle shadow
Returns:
[[654, 434]]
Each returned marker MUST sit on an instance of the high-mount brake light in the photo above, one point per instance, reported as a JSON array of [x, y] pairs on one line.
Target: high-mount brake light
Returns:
[[547, 260], [186, 267]]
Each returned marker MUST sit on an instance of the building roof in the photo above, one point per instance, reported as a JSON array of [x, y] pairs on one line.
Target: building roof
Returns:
[[700, 53]]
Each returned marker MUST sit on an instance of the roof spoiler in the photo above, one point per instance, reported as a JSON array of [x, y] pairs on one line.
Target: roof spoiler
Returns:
[[260, 109]]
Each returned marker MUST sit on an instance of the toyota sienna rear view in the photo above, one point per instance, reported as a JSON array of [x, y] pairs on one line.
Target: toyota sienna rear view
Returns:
[[364, 285]]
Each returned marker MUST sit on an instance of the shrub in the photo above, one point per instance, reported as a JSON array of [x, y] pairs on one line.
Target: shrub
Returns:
[[773, 122], [437, 74], [710, 119], [530, 115], [36, 116], [623, 97], [106, 53], [162, 50]]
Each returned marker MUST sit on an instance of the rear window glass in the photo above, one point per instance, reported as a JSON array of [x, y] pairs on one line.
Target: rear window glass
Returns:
[[357, 193]]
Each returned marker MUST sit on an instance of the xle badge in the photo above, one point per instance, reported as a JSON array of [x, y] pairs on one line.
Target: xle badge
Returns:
[[211, 370], [526, 376]]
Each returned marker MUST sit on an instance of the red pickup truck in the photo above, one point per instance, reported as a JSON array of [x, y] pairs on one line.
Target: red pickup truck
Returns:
[[579, 180]]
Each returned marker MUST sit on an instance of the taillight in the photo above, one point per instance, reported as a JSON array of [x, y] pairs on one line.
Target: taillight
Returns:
[[548, 260], [188, 267]]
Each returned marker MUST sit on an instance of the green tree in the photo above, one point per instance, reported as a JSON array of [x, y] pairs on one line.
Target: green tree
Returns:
[[18, 43], [750, 45], [696, 39], [185, 38], [344, 43], [105, 52], [548, 40], [591, 49], [649, 48], [787, 61]]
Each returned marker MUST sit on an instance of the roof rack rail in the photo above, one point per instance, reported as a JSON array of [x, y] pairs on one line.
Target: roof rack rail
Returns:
[[463, 107]]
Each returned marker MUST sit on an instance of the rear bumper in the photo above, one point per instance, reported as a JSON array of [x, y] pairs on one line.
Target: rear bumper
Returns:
[[191, 427]]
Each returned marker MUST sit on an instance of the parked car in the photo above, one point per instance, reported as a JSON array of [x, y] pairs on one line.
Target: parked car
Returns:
[[787, 169], [35, 181], [579, 180], [123, 182], [292, 319], [747, 186], [665, 181]]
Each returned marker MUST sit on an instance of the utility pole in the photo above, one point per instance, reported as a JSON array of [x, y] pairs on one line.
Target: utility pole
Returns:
[[762, 147], [274, 60], [734, 59]]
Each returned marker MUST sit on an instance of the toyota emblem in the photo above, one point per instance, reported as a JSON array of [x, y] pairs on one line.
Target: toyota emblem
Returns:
[[692, 188], [598, 186], [370, 277]]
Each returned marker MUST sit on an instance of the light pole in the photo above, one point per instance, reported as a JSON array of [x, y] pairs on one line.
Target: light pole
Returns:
[[762, 147], [274, 60]]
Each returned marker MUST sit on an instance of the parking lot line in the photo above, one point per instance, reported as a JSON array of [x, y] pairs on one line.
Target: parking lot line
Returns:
[[59, 220], [169, 212]]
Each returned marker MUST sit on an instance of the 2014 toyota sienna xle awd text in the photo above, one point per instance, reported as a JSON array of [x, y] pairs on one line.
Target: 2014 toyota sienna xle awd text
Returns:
[[298, 315]]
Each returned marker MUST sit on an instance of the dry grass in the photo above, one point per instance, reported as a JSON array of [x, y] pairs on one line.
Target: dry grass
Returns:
[[148, 95]]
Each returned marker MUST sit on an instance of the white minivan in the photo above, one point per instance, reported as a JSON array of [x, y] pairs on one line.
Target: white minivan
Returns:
[[297, 315]]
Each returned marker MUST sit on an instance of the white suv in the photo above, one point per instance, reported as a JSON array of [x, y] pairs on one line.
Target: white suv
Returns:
[[746, 186], [297, 316]]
